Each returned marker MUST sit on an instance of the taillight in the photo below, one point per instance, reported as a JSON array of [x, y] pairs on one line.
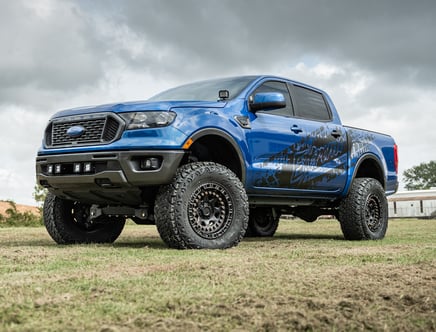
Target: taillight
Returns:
[[396, 158]]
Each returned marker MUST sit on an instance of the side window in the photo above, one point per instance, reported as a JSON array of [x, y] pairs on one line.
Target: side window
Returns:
[[309, 104], [275, 86]]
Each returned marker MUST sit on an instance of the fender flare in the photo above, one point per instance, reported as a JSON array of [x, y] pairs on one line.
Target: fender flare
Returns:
[[229, 138], [378, 165]]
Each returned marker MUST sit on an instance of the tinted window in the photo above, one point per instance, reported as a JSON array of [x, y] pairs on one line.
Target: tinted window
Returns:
[[309, 104], [274, 86]]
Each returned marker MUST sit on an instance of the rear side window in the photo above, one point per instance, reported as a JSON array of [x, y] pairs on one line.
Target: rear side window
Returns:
[[309, 104]]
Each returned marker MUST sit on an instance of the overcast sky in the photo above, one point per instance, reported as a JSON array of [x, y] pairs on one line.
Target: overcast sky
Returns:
[[376, 59]]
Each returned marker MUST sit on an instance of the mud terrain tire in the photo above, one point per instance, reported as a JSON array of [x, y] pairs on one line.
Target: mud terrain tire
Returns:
[[263, 222], [67, 223], [204, 207], [363, 214]]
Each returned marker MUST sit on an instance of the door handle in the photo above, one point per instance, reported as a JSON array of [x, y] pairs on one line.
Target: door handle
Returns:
[[296, 129], [335, 133]]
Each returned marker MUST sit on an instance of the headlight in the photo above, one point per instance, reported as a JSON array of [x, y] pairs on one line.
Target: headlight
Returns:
[[140, 120]]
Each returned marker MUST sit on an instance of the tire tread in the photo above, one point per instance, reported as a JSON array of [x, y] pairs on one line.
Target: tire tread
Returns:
[[169, 205], [351, 210]]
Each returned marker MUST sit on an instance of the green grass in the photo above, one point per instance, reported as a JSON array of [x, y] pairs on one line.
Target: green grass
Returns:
[[304, 278]]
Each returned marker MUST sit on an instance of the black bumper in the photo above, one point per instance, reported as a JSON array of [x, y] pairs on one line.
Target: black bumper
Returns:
[[107, 177]]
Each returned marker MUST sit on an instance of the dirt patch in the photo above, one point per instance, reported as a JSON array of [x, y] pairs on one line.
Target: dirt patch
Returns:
[[354, 299]]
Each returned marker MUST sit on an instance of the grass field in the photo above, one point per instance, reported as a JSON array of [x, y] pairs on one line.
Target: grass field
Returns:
[[304, 278]]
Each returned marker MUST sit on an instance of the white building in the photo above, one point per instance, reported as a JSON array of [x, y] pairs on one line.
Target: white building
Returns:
[[413, 204]]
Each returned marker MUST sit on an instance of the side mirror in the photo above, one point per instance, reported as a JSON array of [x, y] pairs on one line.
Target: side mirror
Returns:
[[267, 101]]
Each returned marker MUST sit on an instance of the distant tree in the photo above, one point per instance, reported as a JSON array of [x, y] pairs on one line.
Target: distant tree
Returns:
[[422, 176], [39, 193]]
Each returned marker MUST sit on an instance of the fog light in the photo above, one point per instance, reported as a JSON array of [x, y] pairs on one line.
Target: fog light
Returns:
[[152, 163], [50, 169], [87, 167], [58, 169], [77, 167]]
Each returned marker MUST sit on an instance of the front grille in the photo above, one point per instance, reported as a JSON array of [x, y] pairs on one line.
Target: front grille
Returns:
[[111, 129], [99, 128]]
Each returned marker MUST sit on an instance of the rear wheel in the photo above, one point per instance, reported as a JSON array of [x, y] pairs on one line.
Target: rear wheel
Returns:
[[68, 222], [263, 222], [205, 207], [363, 214]]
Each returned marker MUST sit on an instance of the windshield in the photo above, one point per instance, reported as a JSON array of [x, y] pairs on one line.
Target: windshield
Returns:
[[205, 90]]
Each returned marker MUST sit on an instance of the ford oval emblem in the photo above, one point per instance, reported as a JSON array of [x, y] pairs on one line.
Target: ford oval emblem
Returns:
[[76, 131]]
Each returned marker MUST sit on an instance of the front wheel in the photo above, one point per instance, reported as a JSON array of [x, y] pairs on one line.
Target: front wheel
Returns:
[[68, 222], [204, 207], [363, 214]]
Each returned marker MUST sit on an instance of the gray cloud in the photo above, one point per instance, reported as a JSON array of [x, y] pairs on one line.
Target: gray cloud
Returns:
[[54, 50], [75, 43], [392, 38]]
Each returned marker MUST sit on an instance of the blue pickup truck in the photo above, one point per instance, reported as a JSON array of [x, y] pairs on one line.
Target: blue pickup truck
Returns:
[[211, 162]]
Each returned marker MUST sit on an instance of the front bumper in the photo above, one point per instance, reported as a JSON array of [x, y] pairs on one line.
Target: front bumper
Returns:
[[107, 177]]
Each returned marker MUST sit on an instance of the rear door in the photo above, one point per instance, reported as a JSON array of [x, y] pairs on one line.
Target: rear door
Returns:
[[320, 154]]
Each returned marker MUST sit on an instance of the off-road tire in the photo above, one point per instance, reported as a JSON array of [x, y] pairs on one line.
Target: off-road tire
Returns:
[[363, 214], [67, 223], [204, 207], [263, 222]]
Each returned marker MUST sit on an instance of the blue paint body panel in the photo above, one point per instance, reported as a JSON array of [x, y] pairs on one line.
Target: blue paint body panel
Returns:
[[283, 156]]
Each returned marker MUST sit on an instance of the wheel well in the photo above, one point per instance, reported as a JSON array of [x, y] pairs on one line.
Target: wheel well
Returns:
[[370, 168], [219, 150]]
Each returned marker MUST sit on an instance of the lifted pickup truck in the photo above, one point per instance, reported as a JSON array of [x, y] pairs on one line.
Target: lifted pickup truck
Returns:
[[211, 162]]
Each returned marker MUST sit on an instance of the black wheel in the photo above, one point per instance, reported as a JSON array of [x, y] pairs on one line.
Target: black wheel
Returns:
[[68, 222], [205, 207], [363, 214], [263, 222]]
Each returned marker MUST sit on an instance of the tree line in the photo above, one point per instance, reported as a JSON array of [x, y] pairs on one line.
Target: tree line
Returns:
[[420, 177]]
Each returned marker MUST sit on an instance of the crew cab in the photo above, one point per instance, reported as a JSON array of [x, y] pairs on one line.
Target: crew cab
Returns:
[[211, 162]]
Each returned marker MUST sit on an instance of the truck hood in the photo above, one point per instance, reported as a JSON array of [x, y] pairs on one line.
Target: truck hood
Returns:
[[139, 106]]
